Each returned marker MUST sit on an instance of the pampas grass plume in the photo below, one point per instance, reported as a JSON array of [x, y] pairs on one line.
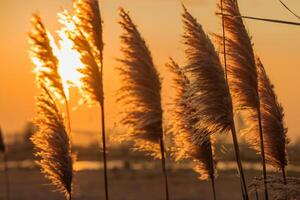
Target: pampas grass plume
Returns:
[[52, 144]]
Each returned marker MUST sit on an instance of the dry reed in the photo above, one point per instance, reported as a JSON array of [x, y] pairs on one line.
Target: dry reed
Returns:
[[88, 18], [90, 23], [187, 136], [46, 63], [272, 115], [85, 30], [52, 144], [240, 67], [140, 94], [206, 75], [209, 89], [42, 53], [91, 83]]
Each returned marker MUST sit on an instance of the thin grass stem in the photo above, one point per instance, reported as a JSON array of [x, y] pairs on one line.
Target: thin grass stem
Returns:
[[104, 149], [239, 163], [284, 175], [233, 131], [163, 164], [262, 149], [213, 186]]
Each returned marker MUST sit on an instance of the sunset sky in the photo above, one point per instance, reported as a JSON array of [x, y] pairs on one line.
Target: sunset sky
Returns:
[[160, 24]]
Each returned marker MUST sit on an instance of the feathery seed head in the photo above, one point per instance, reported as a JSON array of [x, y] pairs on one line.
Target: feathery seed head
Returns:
[[272, 115], [42, 56], [188, 138], [52, 143], [241, 67], [88, 18], [90, 71], [140, 93], [208, 89]]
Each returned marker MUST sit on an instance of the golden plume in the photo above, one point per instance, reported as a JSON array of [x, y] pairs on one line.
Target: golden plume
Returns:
[[85, 30], [140, 93], [207, 80], [46, 63], [91, 80], [209, 89], [87, 15], [187, 136], [52, 144], [272, 114], [241, 67]]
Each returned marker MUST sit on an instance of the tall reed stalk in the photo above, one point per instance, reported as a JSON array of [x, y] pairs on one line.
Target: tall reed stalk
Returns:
[[233, 130], [5, 162], [187, 136], [163, 165], [274, 130], [209, 90], [241, 70], [85, 30], [140, 95], [90, 23]]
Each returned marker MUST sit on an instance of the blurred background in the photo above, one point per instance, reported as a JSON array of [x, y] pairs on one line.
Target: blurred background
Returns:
[[134, 175]]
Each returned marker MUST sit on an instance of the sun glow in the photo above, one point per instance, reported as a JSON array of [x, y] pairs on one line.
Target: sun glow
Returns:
[[69, 62]]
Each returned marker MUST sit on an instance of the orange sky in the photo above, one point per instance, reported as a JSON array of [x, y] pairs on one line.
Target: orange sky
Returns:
[[159, 22]]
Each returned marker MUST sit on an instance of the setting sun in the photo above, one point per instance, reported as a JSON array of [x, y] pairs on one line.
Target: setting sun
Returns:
[[69, 62]]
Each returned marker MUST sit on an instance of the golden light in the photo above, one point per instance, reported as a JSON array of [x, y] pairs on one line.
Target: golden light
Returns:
[[69, 62], [43, 67]]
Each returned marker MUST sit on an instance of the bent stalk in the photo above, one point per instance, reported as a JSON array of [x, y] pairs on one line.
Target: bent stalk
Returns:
[[284, 176], [262, 148], [239, 163], [104, 150], [233, 131], [163, 164], [213, 188]]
